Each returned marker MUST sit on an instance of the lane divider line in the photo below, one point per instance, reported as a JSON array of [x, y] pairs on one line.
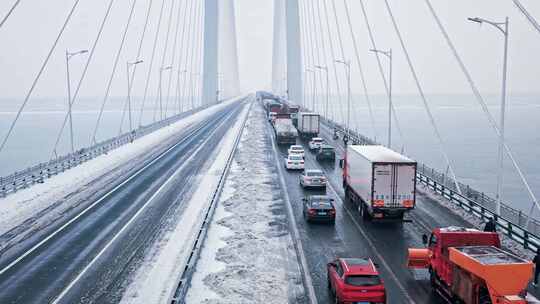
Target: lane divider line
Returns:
[[368, 238], [136, 215], [308, 281]]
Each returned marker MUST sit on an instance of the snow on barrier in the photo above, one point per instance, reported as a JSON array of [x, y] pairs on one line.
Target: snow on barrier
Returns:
[[511, 222], [38, 173], [185, 278]]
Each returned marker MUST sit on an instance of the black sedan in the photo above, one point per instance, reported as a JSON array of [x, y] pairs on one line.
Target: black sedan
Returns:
[[319, 208]]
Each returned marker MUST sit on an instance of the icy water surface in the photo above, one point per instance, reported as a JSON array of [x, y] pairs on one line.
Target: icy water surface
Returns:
[[469, 140]]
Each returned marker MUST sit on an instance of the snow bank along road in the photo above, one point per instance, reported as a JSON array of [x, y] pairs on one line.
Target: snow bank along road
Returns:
[[248, 256], [385, 242], [88, 252]]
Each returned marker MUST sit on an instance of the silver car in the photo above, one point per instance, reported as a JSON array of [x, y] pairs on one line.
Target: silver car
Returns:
[[313, 178]]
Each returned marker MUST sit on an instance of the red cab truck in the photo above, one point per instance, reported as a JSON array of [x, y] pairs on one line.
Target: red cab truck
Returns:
[[381, 182], [468, 266]]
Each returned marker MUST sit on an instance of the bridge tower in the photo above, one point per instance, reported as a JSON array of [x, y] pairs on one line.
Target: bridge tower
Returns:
[[220, 52], [287, 33]]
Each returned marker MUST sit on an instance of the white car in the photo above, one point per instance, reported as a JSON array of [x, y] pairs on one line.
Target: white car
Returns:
[[316, 143], [294, 162], [313, 178], [296, 150]]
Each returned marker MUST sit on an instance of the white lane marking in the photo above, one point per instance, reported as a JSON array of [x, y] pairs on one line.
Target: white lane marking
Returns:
[[368, 239], [372, 246], [296, 234], [35, 247], [185, 163]]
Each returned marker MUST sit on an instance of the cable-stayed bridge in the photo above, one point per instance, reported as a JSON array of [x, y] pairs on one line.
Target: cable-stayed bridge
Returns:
[[121, 208]]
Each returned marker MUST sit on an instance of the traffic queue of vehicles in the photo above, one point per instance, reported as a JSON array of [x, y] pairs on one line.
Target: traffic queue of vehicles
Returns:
[[466, 266]]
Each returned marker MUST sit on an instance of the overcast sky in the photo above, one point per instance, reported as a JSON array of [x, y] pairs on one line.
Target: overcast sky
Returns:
[[29, 33]]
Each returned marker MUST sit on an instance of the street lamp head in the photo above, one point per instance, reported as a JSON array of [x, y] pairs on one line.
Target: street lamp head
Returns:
[[83, 51], [166, 68], [476, 19], [138, 61]]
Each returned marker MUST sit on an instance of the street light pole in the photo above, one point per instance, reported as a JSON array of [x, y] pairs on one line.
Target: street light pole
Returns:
[[68, 57], [503, 27], [160, 90], [128, 65], [389, 55], [325, 69], [347, 64]]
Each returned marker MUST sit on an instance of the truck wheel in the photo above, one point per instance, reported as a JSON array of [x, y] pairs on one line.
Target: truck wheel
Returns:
[[364, 212]]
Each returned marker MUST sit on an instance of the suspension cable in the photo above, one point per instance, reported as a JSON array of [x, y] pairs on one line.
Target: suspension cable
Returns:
[[317, 53], [198, 46], [189, 51], [529, 17], [423, 96], [173, 56], [333, 53], [149, 74], [201, 42], [83, 75], [192, 57], [481, 101], [324, 55], [311, 52], [163, 59], [180, 57], [38, 76], [305, 59], [9, 12], [360, 68], [139, 51], [186, 57], [113, 72]]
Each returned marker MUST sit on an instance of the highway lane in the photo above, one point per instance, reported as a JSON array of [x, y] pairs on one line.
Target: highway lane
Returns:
[[385, 242], [45, 272]]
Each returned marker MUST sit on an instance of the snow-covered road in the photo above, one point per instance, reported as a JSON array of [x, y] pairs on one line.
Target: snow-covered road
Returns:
[[43, 203], [248, 256], [155, 280]]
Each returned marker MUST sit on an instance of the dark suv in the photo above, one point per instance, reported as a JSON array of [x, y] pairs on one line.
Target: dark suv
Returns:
[[326, 152]]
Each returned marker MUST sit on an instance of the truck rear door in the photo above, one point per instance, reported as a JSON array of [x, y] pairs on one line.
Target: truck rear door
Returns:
[[405, 176], [394, 185], [382, 185]]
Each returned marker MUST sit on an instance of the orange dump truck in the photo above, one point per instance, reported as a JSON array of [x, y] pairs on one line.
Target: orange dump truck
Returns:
[[468, 266]]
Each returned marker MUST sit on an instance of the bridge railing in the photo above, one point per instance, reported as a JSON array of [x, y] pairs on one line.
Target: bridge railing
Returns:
[[38, 173], [511, 222]]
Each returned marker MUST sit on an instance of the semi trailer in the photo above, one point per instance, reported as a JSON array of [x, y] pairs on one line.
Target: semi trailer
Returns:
[[379, 181], [284, 131]]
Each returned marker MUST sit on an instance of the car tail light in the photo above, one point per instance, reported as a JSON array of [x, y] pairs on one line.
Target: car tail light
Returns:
[[378, 203], [289, 162], [332, 212], [408, 203], [311, 211], [301, 161]]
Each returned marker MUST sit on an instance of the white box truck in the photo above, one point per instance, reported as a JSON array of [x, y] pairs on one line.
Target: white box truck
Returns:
[[308, 124], [379, 181]]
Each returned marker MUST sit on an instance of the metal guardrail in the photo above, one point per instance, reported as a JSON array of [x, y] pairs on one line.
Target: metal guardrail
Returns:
[[40, 172], [511, 222], [178, 297]]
